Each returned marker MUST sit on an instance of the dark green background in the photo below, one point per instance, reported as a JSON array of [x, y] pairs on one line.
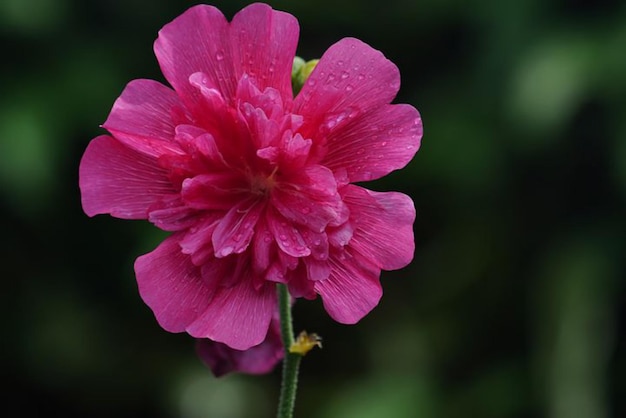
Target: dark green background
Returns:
[[513, 306]]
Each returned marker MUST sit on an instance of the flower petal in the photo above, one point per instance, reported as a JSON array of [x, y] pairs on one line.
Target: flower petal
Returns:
[[212, 191], [373, 144], [310, 199], [115, 179], [264, 43], [238, 316], [144, 118], [197, 239], [352, 290], [383, 226], [260, 359], [350, 78], [287, 236], [197, 41], [172, 214], [172, 286], [260, 42], [234, 232]]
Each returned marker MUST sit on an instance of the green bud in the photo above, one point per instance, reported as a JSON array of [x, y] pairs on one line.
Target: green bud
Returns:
[[300, 71]]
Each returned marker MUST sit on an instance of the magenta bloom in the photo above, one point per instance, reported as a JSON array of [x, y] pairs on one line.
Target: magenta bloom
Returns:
[[255, 184], [260, 359]]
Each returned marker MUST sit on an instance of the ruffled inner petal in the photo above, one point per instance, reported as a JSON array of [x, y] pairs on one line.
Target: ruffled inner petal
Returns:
[[144, 118], [235, 231], [310, 198], [172, 214], [287, 236], [197, 241], [213, 191]]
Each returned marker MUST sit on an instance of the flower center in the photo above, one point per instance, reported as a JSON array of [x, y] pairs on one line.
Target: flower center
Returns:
[[263, 185]]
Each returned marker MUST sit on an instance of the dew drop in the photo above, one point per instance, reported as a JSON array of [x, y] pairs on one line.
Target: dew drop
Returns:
[[238, 237], [331, 77], [317, 242], [382, 144], [267, 239], [340, 63], [345, 75], [361, 76], [283, 237], [225, 251], [305, 210], [349, 88], [219, 56]]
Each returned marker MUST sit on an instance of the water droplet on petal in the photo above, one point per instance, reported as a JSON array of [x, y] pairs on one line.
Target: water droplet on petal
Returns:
[[345, 75], [219, 56], [225, 251], [349, 88], [305, 209], [382, 144]]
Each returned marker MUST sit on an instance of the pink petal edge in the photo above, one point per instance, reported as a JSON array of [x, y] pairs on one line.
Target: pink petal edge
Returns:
[[116, 180], [171, 285]]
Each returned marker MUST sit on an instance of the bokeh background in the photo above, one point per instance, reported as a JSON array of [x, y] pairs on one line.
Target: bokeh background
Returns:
[[514, 305]]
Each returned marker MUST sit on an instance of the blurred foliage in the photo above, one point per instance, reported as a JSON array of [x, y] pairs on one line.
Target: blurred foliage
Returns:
[[514, 305]]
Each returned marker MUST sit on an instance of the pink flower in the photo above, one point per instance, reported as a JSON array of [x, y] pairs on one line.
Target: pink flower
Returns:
[[256, 185], [260, 359]]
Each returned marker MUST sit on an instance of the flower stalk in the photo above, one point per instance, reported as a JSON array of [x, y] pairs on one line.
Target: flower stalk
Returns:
[[291, 362]]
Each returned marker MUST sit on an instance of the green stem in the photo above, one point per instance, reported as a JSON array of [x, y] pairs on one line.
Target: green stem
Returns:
[[291, 362]]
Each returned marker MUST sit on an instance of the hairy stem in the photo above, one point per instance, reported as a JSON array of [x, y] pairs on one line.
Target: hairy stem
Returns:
[[291, 362]]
